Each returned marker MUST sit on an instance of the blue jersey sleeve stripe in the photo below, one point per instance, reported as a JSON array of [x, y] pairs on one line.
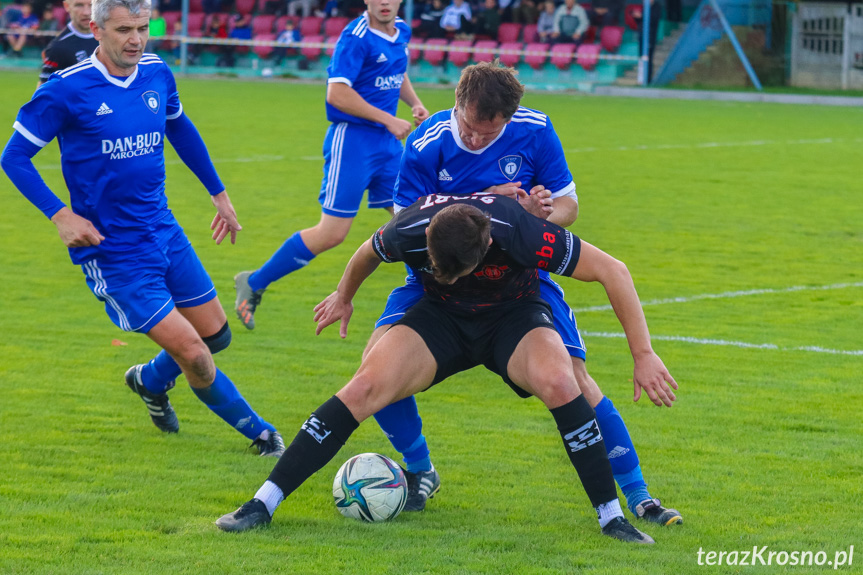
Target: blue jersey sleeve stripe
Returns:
[[175, 115], [433, 133], [71, 69], [528, 120], [340, 80], [75, 70], [522, 111], [29, 135]]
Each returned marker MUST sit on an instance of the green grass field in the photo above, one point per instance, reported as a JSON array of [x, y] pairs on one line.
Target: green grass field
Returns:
[[742, 225]]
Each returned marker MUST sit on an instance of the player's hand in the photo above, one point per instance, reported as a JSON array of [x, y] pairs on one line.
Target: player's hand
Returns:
[[538, 202], [509, 189], [419, 113], [75, 231], [399, 128], [331, 310], [225, 221], [651, 375]]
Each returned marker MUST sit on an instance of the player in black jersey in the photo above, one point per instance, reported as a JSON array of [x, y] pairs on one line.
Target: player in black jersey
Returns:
[[478, 257], [73, 44]]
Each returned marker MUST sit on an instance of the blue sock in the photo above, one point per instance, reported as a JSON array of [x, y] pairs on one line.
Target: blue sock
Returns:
[[159, 372], [223, 399], [402, 424], [621, 454], [289, 258]]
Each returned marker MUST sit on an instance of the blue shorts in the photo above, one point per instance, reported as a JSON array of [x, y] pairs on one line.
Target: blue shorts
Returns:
[[139, 290], [404, 297], [370, 162]]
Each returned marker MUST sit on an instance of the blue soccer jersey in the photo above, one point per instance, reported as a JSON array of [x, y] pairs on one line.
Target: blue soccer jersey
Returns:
[[111, 133], [371, 63], [527, 150]]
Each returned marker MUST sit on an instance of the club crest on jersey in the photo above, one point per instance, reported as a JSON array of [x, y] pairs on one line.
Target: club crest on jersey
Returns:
[[151, 98], [509, 166]]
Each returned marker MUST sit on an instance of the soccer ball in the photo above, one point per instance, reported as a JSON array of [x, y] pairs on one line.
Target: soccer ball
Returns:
[[370, 487]]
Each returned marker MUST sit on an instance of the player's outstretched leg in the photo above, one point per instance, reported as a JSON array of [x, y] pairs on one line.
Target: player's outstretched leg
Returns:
[[161, 411]]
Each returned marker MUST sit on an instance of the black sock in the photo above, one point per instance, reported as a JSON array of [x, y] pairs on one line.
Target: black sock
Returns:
[[576, 422], [318, 441]]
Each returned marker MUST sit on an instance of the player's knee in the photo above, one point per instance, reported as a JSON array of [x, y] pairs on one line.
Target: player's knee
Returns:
[[196, 361], [220, 340], [556, 388]]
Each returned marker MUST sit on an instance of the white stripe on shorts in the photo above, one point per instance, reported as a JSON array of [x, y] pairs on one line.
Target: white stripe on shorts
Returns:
[[92, 270], [335, 165]]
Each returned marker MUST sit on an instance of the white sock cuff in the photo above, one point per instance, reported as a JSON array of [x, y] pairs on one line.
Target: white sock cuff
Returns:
[[271, 495], [608, 511]]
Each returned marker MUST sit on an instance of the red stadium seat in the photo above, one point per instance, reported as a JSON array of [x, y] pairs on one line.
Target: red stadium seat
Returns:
[[334, 26], [171, 18], [310, 52], [244, 6], [529, 35], [611, 37], [414, 54], [628, 18], [195, 24], [587, 56], [589, 36], [461, 54], [60, 16], [311, 26], [196, 5], [561, 55], [510, 59], [435, 54], [263, 24], [264, 51], [537, 59], [281, 22], [479, 56], [508, 32], [331, 40]]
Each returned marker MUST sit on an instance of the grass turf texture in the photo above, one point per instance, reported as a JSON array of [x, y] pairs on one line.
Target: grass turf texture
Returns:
[[762, 448]]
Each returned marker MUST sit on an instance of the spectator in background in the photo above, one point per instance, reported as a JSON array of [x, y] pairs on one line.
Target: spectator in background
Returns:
[[545, 23], [331, 10], [655, 15], [26, 21], [525, 13], [430, 20], [73, 44], [158, 29], [289, 38], [606, 12], [242, 30], [457, 18], [570, 23], [306, 6], [487, 22], [48, 24]]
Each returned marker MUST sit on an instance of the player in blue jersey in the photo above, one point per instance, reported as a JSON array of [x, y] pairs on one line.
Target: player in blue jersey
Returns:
[[367, 77], [110, 115], [488, 138]]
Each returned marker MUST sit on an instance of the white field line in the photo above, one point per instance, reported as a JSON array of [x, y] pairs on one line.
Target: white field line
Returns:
[[708, 145], [726, 295], [742, 344]]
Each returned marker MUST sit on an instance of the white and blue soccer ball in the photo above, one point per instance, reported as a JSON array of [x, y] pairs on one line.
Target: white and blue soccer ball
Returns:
[[370, 487]]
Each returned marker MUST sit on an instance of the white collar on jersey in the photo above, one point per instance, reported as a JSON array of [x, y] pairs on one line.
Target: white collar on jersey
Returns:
[[392, 38], [74, 31], [453, 124], [101, 67]]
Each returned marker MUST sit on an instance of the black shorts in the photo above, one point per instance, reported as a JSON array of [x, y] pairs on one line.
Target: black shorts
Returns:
[[460, 341]]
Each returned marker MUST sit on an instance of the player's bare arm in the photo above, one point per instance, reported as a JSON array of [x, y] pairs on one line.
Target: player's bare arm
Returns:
[[350, 102], [650, 373], [409, 97], [337, 306], [565, 211], [225, 221], [75, 231]]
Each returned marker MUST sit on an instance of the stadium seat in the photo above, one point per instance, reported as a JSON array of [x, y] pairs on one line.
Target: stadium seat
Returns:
[[435, 54], [244, 6], [414, 54], [536, 55], [628, 18], [510, 59], [311, 26], [611, 37], [263, 24], [461, 54], [196, 5], [528, 34], [281, 22], [331, 40], [484, 56], [334, 26], [589, 35], [561, 55], [171, 18], [508, 32], [309, 52], [264, 51], [60, 16], [587, 56], [195, 23]]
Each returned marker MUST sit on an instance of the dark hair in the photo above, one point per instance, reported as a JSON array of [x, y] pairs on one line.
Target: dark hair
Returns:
[[458, 238], [490, 90]]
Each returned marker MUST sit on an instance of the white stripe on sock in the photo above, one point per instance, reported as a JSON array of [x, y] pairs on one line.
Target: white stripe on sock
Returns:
[[272, 496], [608, 511]]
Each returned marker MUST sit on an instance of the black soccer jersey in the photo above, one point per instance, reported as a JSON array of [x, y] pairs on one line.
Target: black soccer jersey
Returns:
[[66, 49], [521, 244]]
